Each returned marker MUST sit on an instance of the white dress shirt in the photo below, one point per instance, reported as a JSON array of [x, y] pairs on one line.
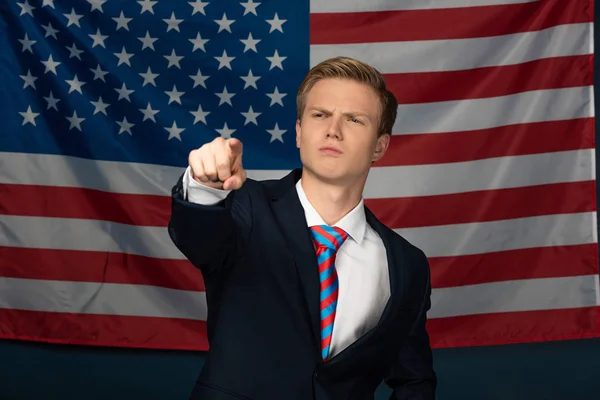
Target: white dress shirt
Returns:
[[361, 264]]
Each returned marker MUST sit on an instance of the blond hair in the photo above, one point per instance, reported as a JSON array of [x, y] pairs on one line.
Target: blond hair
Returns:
[[349, 68]]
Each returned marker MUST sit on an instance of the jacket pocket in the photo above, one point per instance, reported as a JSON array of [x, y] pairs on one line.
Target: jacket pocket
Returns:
[[204, 390]]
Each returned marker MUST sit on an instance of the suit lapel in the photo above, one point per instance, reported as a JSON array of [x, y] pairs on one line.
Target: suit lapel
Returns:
[[289, 211]]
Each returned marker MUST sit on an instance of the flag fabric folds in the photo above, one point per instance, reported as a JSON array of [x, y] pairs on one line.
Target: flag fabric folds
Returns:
[[490, 170]]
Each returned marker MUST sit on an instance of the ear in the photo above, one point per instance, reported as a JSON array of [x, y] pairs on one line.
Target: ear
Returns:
[[381, 147], [298, 133]]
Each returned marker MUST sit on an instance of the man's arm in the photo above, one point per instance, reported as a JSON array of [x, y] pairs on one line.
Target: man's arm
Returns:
[[412, 376]]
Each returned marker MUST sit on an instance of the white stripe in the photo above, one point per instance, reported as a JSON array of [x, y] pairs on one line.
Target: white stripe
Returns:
[[514, 296], [511, 234], [473, 114], [338, 6], [462, 54], [84, 234], [383, 182], [101, 298]]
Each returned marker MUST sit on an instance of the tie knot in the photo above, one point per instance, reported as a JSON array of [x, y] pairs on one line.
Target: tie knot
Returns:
[[331, 237]]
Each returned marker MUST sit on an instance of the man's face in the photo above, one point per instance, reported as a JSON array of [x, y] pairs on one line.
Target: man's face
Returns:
[[337, 136]]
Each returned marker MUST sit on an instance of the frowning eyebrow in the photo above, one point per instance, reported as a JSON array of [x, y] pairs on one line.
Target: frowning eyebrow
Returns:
[[346, 114]]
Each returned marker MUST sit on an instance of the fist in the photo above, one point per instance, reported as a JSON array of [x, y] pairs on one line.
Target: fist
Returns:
[[218, 164]]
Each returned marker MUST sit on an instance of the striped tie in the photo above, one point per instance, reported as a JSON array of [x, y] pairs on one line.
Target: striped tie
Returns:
[[327, 240]]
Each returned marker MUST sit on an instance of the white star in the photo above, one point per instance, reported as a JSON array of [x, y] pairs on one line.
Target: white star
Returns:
[[276, 23], [173, 59], [49, 3], [100, 106], [276, 97], [52, 101], [174, 131], [250, 43], [98, 38], [97, 4], [225, 96], [74, 52], [149, 77], [226, 132], [147, 6], [251, 116], [98, 73], [199, 79], [124, 93], [75, 122], [26, 9], [198, 6], [276, 133], [73, 18], [51, 65], [198, 43], [122, 21], [149, 113], [173, 23], [250, 80], [224, 23], [29, 79], [124, 57], [174, 95], [29, 116], [50, 31], [200, 115], [276, 61], [250, 7], [27, 43], [75, 84], [224, 60], [148, 41], [125, 126]]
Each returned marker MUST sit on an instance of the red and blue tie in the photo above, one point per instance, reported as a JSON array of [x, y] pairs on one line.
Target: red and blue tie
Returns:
[[327, 241]]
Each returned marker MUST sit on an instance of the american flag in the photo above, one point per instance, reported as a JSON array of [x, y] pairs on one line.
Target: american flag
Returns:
[[491, 167]]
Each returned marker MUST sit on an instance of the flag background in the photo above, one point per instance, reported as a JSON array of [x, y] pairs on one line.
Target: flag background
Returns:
[[556, 277]]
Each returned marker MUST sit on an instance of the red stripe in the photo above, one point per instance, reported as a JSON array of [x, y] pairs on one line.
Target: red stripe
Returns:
[[328, 262], [485, 205], [327, 236], [534, 263], [549, 73], [91, 266], [510, 140], [67, 202], [328, 281], [104, 330], [514, 327], [328, 321], [439, 24], [326, 341], [329, 299]]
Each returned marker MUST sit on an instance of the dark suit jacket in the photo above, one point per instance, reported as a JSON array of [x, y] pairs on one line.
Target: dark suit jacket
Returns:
[[262, 287]]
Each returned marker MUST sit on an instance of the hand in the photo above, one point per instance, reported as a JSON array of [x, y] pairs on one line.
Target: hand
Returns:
[[218, 164]]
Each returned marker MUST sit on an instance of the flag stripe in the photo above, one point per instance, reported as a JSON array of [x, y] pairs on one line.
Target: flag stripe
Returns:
[[101, 298], [512, 234], [440, 23], [547, 73], [529, 263], [512, 296], [441, 55], [464, 115], [99, 266], [514, 327], [510, 140], [496, 173], [484, 206], [331, 6], [105, 330]]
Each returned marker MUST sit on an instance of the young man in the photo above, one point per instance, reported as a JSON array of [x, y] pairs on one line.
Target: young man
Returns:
[[309, 295]]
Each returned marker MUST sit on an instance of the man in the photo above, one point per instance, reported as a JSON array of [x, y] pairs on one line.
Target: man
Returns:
[[309, 295]]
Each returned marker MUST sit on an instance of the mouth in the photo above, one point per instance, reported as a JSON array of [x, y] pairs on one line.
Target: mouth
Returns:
[[332, 151]]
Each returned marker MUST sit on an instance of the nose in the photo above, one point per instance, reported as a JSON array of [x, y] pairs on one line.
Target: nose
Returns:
[[334, 130]]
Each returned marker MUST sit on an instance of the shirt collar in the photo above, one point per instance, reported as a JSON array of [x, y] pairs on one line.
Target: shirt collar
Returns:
[[354, 223]]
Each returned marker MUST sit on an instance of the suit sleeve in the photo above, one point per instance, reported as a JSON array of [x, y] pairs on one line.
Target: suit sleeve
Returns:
[[412, 376], [210, 227]]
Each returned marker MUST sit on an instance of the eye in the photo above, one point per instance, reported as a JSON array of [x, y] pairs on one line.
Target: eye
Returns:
[[356, 120], [317, 115]]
